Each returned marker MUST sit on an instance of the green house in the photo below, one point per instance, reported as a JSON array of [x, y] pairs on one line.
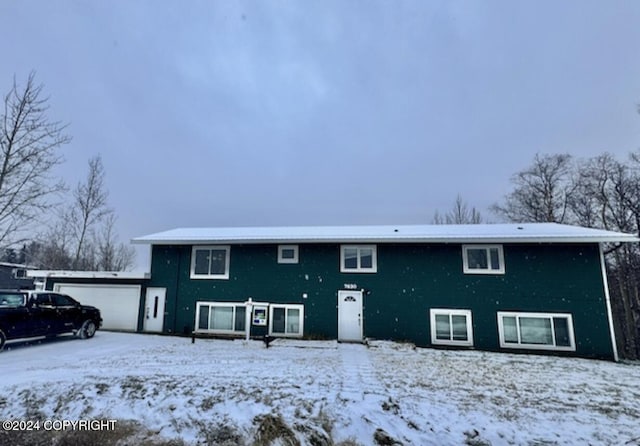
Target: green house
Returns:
[[537, 287]]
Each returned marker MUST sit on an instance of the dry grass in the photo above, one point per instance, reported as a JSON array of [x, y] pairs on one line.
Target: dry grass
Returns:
[[272, 428]]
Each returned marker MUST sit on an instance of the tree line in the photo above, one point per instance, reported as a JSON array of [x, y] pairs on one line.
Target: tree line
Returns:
[[55, 227]]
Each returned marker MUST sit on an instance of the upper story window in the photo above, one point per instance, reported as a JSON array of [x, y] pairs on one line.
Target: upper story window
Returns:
[[483, 259], [358, 259], [288, 254], [210, 262], [19, 273]]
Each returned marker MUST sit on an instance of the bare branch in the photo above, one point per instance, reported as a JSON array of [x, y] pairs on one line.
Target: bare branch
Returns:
[[29, 150], [542, 191]]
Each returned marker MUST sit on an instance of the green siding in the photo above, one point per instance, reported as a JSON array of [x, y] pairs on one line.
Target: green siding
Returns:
[[410, 280]]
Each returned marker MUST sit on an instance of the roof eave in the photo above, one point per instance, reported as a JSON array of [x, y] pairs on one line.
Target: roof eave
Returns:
[[364, 239]]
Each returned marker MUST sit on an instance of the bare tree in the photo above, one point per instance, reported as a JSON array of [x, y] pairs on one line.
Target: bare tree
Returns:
[[460, 214], [83, 236], [29, 150], [605, 194], [113, 256], [542, 191], [88, 209]]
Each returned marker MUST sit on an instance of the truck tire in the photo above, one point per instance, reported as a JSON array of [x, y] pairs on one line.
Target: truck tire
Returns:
[[87, 329], [3, 339]]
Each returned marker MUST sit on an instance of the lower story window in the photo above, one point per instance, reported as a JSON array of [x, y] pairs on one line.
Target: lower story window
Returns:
[[286, 320], [220, 317], [451, 327], [538, 331]]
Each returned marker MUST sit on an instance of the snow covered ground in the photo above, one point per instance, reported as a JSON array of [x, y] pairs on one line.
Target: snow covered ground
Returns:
[[321, 392]]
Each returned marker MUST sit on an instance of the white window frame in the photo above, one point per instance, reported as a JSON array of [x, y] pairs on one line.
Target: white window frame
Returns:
[[282, 259], [19, 273], [210, 304], [195, 248], [465, 259], [450, 312], [359, 268], [286, 307], [572, 342]]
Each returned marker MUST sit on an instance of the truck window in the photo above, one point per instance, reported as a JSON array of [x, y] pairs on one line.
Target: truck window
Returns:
[[43, 300], [11, 299], [60, 300]]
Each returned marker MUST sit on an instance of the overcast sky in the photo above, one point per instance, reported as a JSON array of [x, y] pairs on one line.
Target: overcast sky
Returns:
[[259, 113]]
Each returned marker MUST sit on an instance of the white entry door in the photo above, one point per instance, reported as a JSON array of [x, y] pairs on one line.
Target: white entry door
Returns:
[[154, 309], [350, 316]]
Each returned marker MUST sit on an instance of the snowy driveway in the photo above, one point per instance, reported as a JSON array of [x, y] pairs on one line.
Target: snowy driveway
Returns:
[[323, 392]]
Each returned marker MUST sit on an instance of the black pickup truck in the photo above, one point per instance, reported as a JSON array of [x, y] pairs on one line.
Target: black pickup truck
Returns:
[[27, 314]]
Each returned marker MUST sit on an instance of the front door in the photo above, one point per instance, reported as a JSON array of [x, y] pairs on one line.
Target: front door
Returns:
[[350, 316], [154, 309]]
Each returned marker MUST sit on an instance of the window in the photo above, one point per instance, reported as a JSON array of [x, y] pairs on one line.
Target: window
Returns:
[[220, 317], [358, 259], [451, 327], [288, 254], [12, 299], [61, 300], [210, 262], [538, 331], [43, 300], [286, 320], [483, 259]]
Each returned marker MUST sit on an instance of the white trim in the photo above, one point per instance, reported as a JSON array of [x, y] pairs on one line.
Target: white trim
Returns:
[[210, 304], [359, 268], [465, 259], [607, 299], [286, 307], [282, 259], [550, 316], [450, 312], [210, 248]]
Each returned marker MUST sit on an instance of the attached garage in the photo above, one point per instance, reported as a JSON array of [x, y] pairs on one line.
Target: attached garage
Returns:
[[118, 304], [117, 295]]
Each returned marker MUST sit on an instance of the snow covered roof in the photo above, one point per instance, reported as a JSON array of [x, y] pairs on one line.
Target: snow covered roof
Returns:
[[484, 233], [16, 265], [88, 274]]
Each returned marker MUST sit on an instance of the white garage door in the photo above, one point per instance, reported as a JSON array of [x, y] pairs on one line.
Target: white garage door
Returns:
[[118, 304]]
